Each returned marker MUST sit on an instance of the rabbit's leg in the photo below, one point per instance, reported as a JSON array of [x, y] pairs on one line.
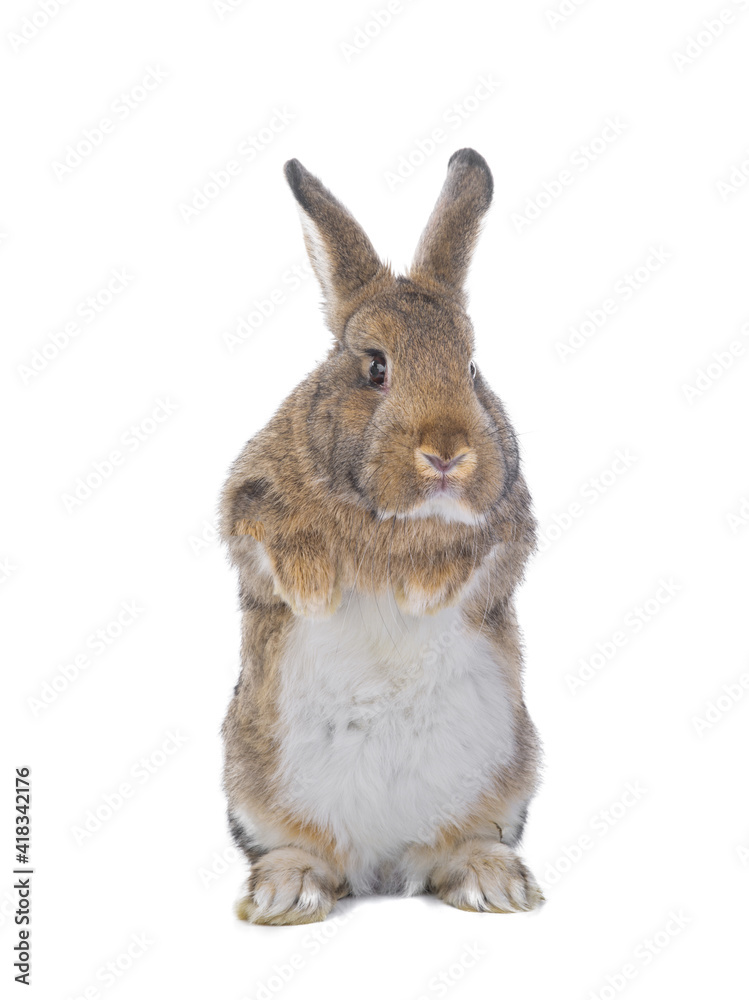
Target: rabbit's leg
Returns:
[[483, 874], [289, 885]]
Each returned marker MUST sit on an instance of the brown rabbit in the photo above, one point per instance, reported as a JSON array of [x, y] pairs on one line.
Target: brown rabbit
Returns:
[[377, 739]]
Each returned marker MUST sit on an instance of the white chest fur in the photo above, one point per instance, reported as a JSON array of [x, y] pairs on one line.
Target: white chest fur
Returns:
[[391, 726]]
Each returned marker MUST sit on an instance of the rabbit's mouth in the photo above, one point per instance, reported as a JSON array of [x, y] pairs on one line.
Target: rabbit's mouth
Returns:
[[445, 476], [445, 503], [449, 488]]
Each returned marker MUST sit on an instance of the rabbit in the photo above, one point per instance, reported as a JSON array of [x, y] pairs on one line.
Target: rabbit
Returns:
[[377, 739]]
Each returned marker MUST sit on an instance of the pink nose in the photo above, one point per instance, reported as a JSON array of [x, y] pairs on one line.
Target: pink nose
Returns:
[[440, 464]]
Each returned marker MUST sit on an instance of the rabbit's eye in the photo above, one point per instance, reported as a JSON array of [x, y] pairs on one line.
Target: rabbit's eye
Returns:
[[472, 369], [377, 369]]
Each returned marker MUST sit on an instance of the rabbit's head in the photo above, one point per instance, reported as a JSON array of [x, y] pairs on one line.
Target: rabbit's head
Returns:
[[401, 419]]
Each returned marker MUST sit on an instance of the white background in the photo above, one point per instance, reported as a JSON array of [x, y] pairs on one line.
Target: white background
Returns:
[[160, 866]]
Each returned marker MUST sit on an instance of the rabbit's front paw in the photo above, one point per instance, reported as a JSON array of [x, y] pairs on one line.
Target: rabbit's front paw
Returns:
[[486, 876], [413, 598], [289, 886], [305, 577]]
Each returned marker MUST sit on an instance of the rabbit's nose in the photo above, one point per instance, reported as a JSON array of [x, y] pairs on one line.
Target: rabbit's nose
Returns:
[[458, 465], [441, 464]]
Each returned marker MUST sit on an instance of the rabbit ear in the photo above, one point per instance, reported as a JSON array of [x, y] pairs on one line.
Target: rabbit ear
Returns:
[[339, 250], [445, 248]]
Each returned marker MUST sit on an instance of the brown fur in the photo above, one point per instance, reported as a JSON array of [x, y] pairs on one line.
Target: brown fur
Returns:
[[321, 484]]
